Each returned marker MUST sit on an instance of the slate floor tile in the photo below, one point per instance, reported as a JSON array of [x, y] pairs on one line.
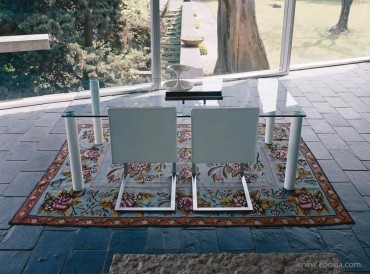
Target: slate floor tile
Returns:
[[336, 227], [303, 102], [361, 126], [346, 246], [367, 200], [92, 238], [129, 240], [23, 184], [270, 240], [348, 113], [326, 91], [359, 106], [51, 252], [312, 113], [335, 119], [6, 121], [85, 262], [304, 238], [21, 151], [319, 150], [350, 197], [324, 107], [20, 127], [361, 226], [361, 150], [21, 237], [39, 161], [314, 97], [235, 239], [9, 206], [13, 261], [348, 134], [8, 141], [336, 102], [9, 169], [332, 141], [320, 126], [126, 241], [308, 134], [333, 171], [47, 120], [361, 180], [52, 142], [3, 154], [366, 116], [35, 134], [164, 238], [347, 160], [199, 241], [2, 188]]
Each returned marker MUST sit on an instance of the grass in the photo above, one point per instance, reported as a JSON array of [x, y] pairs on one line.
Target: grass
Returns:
[[311, 40]]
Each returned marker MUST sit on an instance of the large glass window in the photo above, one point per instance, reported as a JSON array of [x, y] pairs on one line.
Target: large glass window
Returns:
[[226, 37], [321, 35], [104, 39]]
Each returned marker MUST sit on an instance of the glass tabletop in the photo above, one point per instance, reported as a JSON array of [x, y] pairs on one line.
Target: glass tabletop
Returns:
[[267, 93]]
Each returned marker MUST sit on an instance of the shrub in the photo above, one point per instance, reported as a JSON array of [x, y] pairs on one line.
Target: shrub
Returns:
[[203, 49], [197, 24]]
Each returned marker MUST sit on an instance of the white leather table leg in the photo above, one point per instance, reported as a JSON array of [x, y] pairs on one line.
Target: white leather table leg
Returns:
[[74, 153], [293, 150]]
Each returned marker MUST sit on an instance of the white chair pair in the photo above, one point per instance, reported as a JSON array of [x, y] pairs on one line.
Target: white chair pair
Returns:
[[149, 135]]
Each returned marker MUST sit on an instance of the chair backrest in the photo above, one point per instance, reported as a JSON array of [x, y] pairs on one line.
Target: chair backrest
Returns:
[[143, 134], [224, 135]]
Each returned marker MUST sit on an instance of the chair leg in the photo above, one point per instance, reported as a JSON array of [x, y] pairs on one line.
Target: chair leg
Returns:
[[246, 194], [241, 170], [172, 206], [125, 169]]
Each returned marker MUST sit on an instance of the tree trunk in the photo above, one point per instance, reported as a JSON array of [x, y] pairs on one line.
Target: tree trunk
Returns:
[[342, 24], [240, 47], [88, 33]]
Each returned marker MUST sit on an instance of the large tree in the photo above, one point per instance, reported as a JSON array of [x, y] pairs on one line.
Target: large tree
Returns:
[[342, 25], [240, 47], [107, 39]]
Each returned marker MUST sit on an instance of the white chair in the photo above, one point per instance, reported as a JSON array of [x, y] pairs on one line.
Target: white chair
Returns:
[[224, 135], [143, 135]]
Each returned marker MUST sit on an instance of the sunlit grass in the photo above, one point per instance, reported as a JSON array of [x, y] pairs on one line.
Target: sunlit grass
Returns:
[[311, 40]]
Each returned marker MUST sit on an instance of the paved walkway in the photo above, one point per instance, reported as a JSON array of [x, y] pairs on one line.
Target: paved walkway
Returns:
[[337, 130]]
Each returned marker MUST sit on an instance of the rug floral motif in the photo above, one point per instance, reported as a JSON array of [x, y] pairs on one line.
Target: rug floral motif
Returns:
[[312, 202]]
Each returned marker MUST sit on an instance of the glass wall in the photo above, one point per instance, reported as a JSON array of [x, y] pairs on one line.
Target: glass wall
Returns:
[[104, 39], [111, 40], [318, 37], [241, 36]]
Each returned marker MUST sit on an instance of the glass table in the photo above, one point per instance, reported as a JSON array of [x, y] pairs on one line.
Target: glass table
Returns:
[[267, 93]]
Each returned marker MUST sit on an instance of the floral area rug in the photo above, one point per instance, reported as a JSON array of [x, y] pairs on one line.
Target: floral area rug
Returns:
[[313, 202]]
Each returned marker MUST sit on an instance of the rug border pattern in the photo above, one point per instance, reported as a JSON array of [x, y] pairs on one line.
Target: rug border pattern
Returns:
[[341, 217]]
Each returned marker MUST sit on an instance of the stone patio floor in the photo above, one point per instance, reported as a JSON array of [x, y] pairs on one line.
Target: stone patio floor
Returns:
[[337, 130]]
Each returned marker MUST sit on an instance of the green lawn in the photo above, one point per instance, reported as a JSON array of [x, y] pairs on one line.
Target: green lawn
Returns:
[[311, 41]]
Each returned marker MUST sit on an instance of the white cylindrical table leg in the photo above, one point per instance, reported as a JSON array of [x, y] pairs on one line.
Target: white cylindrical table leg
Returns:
[[293, 151], [269, 134], [95, 104], [98, 131], [74, 153]]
